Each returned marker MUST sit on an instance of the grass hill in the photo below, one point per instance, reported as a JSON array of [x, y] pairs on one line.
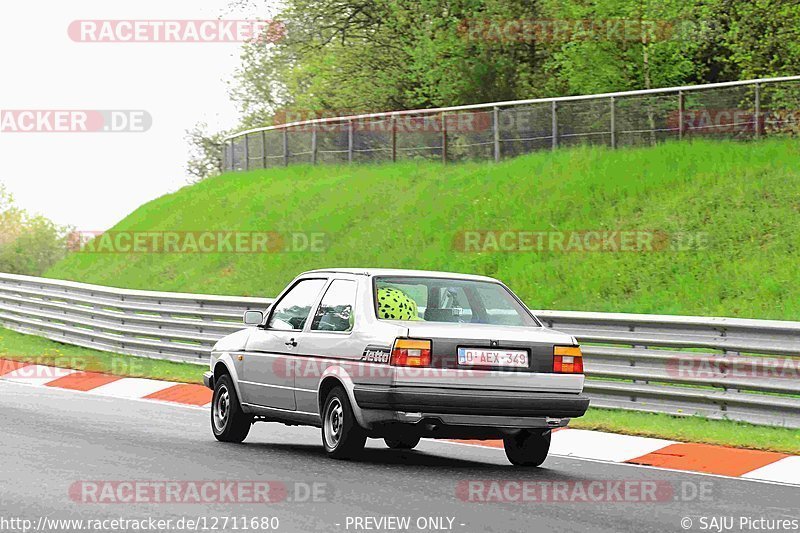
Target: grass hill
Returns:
[[725, 219]]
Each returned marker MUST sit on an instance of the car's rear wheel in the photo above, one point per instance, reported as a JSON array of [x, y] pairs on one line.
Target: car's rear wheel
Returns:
[[527, 448], [228, 422], [342, 437], [402, 443]]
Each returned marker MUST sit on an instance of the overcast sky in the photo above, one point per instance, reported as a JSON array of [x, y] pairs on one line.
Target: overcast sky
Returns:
[[92, 180]]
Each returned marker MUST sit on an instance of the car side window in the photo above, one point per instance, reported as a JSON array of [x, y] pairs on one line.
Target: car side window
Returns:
[[291, 312], [335, 311]]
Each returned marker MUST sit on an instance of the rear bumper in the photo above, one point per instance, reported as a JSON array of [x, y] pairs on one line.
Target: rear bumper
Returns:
[[513, 404]]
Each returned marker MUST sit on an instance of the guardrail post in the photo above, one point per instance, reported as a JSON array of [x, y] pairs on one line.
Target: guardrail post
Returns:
[[681, 107], [555, 124], [496, 132], [246, 153], [394, 138], [444, 137], [263, 149], [314, 144], [285, 147], [758, 110], [613, 104], [393, 121], [350, 141]]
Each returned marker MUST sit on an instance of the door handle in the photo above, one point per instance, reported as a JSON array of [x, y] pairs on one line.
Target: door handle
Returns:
[[291, 343]]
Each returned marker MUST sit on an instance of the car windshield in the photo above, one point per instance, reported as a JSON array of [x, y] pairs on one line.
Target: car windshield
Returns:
[[449, 300]]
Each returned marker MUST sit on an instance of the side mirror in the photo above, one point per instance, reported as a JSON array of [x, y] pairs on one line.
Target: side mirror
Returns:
[[253, 318]]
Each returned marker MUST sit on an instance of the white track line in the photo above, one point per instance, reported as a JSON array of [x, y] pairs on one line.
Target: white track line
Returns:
[[132, 387], [787, 470], [629, 465], [603, 446], [37, 375]]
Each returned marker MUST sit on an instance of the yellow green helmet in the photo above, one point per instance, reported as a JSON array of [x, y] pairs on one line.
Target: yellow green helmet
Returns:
[[394, 304]]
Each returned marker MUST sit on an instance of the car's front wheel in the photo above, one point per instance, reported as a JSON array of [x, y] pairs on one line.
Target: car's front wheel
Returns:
[[228, 422], [403, 443], [527, 448], [342, 437]]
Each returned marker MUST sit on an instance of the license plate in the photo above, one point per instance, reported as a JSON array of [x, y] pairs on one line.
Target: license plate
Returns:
[[483, 357]]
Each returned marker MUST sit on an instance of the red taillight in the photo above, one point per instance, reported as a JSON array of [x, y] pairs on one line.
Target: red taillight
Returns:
[[411, 352], [567, 360]]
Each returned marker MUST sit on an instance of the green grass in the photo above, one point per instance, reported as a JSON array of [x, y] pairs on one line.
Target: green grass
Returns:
[[39, 350], [43, 351], [744, 196], [691, 429]]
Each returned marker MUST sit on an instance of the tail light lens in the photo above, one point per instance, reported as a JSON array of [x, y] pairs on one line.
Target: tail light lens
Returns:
[[567, 360], [411, 352]]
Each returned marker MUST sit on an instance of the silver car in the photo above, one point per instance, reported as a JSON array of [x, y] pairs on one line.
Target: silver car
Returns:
[[398, 355]]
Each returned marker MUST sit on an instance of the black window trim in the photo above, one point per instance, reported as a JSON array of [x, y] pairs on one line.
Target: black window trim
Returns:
[[319, 303], [278, 300]]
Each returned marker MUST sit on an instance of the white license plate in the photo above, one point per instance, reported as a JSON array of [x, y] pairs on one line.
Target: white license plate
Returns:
[[483, 357]]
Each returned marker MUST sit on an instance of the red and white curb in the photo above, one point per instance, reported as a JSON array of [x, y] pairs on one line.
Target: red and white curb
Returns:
[[578, 443], [104, 384]]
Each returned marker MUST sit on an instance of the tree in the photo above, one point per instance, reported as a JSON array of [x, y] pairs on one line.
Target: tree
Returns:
[[345, 56], [28, 244], [205, 152]]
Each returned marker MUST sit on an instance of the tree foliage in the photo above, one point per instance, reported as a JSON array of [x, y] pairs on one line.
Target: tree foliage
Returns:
[[346, 56], [29, 244], [205, 157]]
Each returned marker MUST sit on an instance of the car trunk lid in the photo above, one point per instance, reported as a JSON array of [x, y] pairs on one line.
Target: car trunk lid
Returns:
[[447, 339]]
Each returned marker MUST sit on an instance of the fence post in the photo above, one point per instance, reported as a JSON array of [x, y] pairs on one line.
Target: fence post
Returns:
[[444, 137], [285, 147], [758, 110], [555, 124], [613, 104], [681, 106], [263, 149], [314, 143], [496, 132], [350, 141], [246, 153], [394, 138]]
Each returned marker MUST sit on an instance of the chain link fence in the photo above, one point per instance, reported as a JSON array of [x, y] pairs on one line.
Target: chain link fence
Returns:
[[740, 110]]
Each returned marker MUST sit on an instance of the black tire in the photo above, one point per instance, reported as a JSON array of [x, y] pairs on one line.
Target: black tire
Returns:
[[527, 448], [342, 437], [403, 443], [228, 422]]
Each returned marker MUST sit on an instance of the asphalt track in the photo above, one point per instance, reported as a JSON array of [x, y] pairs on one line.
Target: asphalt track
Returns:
[[54, 438]]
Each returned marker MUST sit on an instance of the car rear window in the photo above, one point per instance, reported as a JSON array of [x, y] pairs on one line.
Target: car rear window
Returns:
[[448, 300]]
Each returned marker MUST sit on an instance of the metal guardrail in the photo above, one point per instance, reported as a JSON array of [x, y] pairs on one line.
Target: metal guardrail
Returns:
[[746, 109], [163, 325], [715, 367]]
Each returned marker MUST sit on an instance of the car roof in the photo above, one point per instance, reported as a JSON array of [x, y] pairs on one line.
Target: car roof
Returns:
[[398, 272]]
